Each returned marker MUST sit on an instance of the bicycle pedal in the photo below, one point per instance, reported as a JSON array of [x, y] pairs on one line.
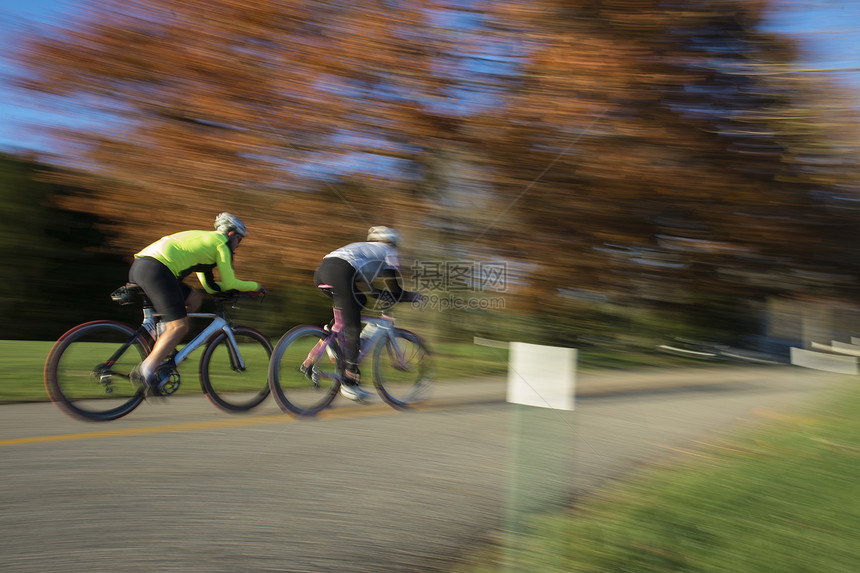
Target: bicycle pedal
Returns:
[[168, 382]]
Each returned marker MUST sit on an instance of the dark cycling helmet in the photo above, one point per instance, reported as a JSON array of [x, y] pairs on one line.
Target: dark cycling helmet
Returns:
[[225, 222], [383, 234]]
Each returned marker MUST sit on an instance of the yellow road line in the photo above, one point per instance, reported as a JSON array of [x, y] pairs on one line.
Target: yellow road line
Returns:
[[190, 426], [338, 414]]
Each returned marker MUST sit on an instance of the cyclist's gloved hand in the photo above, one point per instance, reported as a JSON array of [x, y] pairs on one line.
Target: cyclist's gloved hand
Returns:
[[259, 292]]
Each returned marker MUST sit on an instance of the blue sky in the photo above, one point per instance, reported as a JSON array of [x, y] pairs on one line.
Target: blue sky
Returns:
[[830, 28], [14, 14]]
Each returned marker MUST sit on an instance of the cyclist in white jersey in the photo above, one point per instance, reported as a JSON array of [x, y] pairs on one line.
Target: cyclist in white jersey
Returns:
[[350, 272]]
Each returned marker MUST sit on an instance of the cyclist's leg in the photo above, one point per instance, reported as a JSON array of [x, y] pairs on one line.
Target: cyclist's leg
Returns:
[[193, 300], [173, 333], [168, 296], [341, 276], [350, 311]]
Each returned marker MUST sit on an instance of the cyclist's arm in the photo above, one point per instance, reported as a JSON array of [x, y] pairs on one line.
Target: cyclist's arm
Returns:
[[207, 280], [387, 287], [224, 263]]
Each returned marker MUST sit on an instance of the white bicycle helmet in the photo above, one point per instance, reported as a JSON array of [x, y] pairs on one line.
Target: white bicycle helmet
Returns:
[[383, 234], [225, 222]]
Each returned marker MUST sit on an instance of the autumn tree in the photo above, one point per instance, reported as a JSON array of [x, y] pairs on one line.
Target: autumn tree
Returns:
[[649, 150], [296, 115], [666, 151]]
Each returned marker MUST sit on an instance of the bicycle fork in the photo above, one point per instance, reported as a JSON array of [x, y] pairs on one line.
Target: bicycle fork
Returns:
[[237, 363], [398, 358]]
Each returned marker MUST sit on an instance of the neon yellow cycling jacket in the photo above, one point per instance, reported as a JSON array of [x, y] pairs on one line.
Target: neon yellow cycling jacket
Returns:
[[199, 251]]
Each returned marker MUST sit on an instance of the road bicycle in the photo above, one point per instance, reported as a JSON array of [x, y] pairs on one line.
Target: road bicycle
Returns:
[[87, 372], [306, 368]]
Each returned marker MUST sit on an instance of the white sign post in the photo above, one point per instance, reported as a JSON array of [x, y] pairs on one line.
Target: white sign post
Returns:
[[541, 376], [541, 381]]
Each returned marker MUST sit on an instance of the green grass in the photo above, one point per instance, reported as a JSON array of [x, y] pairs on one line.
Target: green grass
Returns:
[[21, 365], [781, 497], [452, 361], [471, 360], [22, 362]]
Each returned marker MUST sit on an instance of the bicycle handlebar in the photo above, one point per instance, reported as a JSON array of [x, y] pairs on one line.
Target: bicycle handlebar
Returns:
[[224, 297]]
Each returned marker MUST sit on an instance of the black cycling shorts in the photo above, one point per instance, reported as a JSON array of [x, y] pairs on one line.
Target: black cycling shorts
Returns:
[[340, 275], [166, 292]]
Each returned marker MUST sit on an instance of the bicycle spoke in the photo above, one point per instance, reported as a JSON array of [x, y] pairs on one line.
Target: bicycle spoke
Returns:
[[402, 369], [304, 371], [87, 372], [236, 379]]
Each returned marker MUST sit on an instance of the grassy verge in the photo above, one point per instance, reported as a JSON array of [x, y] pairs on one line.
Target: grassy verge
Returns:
[[21, 365], [22, 362], [781, 497], [471, 360]]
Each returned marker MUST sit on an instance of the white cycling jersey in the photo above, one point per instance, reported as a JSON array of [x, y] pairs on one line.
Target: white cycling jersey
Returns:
[[370, 259]]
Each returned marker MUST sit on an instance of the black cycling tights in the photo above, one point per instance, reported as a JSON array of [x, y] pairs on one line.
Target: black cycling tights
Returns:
[[340, 275]]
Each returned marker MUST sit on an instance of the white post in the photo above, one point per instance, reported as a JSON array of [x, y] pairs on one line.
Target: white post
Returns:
[[541, 376], [541, 393]]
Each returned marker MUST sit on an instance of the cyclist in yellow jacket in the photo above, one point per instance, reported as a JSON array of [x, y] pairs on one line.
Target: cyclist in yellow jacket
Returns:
[[160, 268]]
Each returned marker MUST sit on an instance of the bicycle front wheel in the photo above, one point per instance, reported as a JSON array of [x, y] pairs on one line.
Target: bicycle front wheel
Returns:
[[235, 378], [87, 370], [305, 369], [402, 369]]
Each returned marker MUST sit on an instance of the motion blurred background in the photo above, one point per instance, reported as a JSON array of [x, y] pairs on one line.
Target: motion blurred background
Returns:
[[589, 173]]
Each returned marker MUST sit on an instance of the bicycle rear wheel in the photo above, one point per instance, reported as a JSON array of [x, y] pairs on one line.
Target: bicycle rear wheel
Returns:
[[87, 370], [402, 369], [228, 386], [305, 369]]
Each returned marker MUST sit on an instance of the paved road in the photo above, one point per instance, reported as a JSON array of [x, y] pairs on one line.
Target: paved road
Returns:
[[180, 486]]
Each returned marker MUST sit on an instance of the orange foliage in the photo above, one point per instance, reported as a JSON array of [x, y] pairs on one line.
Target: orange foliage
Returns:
[[619, 137]]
